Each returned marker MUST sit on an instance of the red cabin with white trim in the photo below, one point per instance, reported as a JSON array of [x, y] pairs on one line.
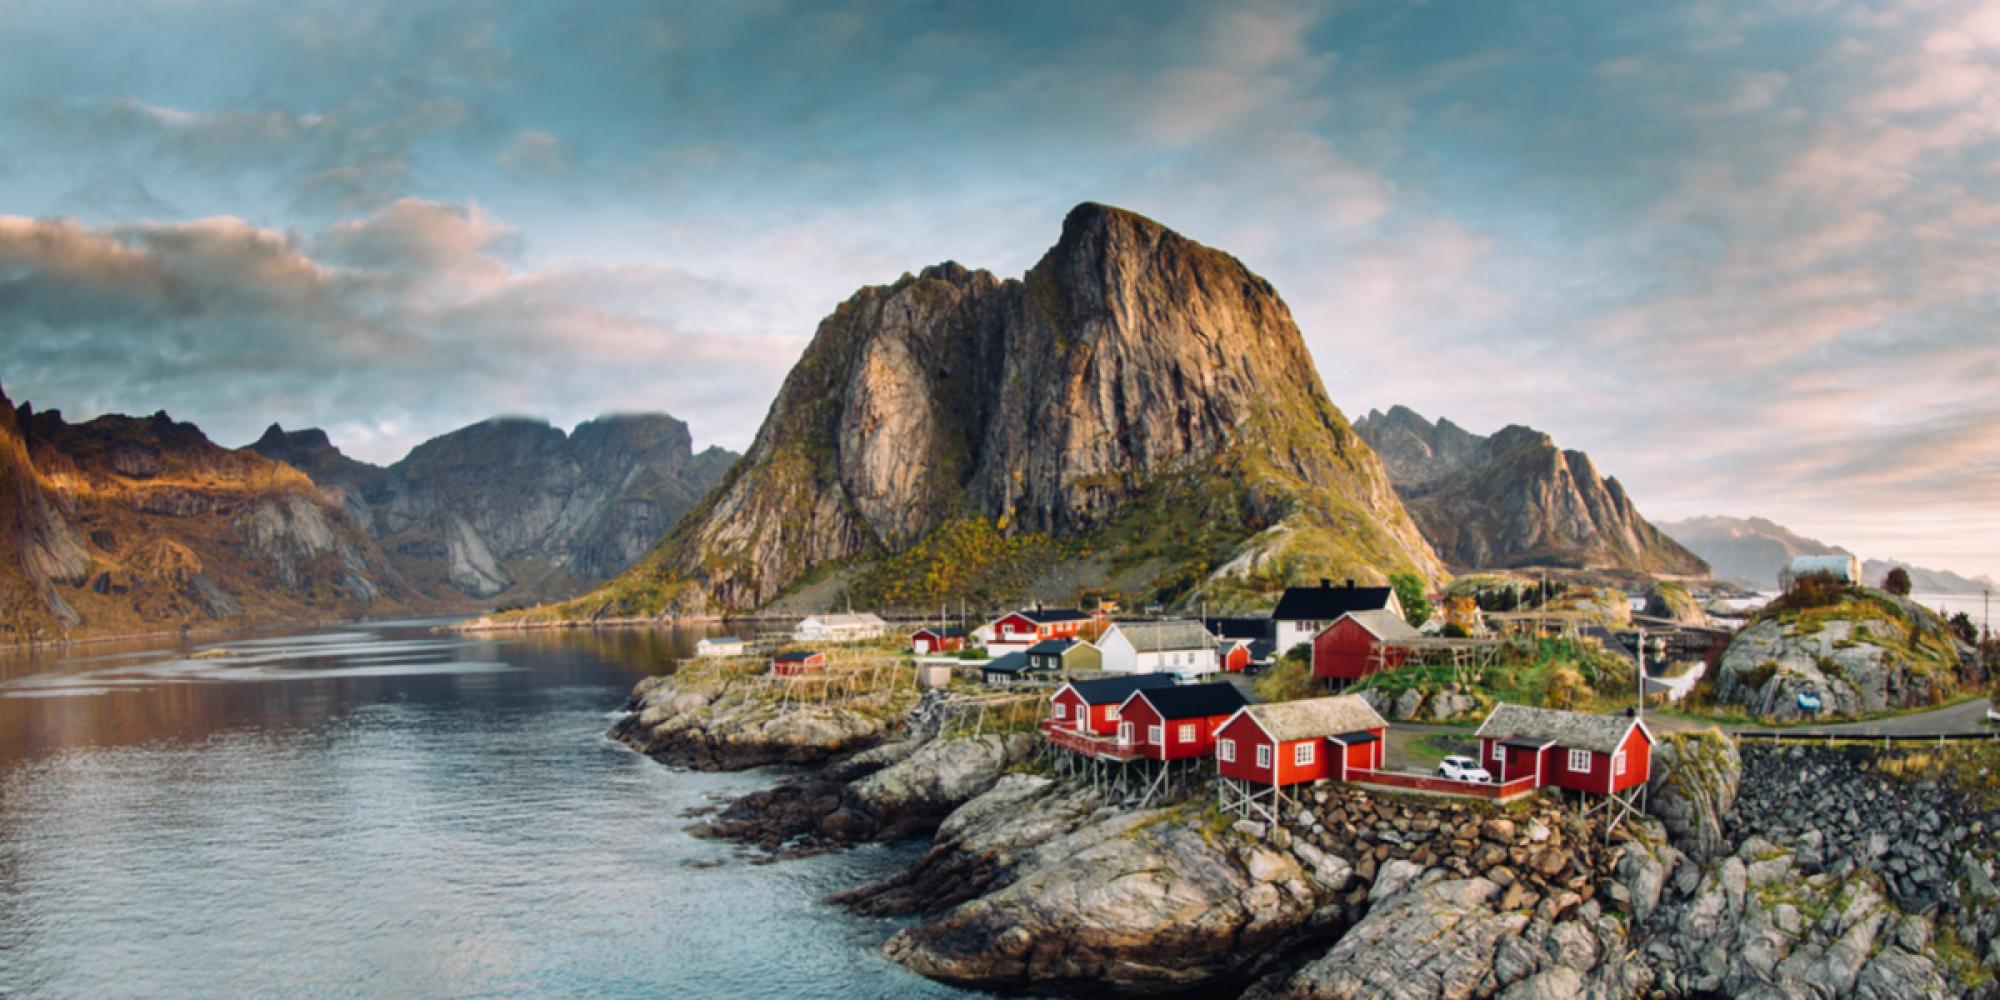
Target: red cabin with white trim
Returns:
[[796, 662], [1176, 723], [937, 639], [1233, 657], [1360, 643], [1292, 742], [1094, 706], [1580, 751]]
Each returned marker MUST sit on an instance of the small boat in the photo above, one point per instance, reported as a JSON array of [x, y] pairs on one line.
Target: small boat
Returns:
[[1809, 701]]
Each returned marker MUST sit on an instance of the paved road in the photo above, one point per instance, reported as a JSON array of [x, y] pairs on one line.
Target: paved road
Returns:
[[1966, 717]]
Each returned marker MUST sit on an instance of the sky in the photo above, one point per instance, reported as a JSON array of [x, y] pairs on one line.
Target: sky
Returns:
[[1744, 254]]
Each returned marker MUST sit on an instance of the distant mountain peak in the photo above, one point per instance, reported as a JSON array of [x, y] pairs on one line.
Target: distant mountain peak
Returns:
[[1513, 498]]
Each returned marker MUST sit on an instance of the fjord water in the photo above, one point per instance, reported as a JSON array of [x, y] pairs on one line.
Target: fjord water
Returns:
[[385, 810]]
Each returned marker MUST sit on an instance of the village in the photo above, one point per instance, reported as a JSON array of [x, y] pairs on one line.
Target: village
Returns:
[[1152, 709]]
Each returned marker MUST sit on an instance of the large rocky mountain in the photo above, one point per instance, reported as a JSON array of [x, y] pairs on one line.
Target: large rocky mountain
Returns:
[[513, 507], [1138, 407], [134, 524], [1514, 499]]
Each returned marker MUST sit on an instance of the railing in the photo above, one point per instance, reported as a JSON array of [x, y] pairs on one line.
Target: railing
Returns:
[[1109, 747], [1779, 736], [1444, 786]]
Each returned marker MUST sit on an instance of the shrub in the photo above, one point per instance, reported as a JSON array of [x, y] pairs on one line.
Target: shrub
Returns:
[[1898, 582], [1566, 688], [1410, 593], [1813, 590]]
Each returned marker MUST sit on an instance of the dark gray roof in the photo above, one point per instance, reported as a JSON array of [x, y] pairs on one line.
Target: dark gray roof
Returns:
[[1326, 602], [797, 654], [1011, 663], [942, 631], [1239, 628], [1045, 616], [1190, 701], [1113, 690], [1054, 647], [1571, 730]]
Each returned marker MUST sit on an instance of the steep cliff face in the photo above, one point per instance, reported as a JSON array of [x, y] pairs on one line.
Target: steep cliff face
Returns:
[[514, 506], [1746, 550], [130, 524], [1131, 375], [1515, 499]]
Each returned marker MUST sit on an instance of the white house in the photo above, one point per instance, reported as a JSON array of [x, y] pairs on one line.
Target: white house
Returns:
[[1843, 568], [1177, 647], [722, 645], [840, 628], [1304, 612]]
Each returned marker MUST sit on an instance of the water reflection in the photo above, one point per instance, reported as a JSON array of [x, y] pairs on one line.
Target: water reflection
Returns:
[[386, 810]]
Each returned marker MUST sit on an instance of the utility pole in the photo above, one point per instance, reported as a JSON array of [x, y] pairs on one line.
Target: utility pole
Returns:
[[1642, 672]]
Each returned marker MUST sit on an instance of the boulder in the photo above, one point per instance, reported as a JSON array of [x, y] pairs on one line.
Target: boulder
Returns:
[[1693, 787]]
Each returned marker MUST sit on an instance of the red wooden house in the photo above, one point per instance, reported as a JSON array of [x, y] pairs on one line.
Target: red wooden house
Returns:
[[1232, 656], [1018, 630], [937, 639], [796, 662], [1359, 643], [1601, 754], [1298, 741], [1177, 723], [1093, 706]]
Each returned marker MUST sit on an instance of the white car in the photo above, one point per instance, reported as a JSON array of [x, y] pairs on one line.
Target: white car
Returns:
[[1993, 712], [1463, 769]]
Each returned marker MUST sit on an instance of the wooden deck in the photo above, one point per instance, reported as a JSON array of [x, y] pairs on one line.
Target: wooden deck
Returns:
[[1506, 791], [1102, 747]]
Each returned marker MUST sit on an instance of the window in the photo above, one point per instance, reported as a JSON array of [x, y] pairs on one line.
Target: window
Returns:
[[1225, 751], [1579, 760], [1618, 763], [1111, 713], [1302, 754], [1496, 750], [1264, 756], [1062, 710], [1156, 735], [1187, 733]]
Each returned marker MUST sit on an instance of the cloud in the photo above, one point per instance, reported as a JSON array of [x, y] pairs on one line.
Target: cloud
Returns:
[[533, 154], [408, 321]]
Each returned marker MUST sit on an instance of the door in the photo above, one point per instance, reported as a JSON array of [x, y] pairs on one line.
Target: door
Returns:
[[923, 646], [1125, 732]]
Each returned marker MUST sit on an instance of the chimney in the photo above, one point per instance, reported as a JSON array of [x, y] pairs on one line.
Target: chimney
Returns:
[[1325, 584], [1350, 583]]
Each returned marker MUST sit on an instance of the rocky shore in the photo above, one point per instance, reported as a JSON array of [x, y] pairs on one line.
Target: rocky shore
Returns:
[[725, 728], [1760, 871]]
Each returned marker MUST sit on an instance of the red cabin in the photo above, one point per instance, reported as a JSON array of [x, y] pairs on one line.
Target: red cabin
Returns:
[[937, 639], [1602, 754], [1298, 741], [1021, 629], [796, 662], [1093, 706], [1360, 643], [1233, 656], [1176, 723]]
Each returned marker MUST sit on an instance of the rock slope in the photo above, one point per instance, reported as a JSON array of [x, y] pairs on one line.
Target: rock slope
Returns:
[[127, 525], [1131, 377], [1514, 499], [1870, 653], [513, 508]]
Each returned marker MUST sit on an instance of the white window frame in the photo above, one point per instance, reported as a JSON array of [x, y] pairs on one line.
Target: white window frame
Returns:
[[1579, 760], [1062, 710], [1497, 751], [1125, 732], [1303, 754], [1264, 755], [1187, 732], [1618, 763], [1156, 735], [1225, 751], [1111, 713]]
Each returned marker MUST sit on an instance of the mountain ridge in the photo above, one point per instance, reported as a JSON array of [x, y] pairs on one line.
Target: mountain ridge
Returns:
[[1514, 499]]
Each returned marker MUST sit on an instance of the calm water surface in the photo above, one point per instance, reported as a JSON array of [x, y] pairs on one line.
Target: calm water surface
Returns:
[[386, 811]]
